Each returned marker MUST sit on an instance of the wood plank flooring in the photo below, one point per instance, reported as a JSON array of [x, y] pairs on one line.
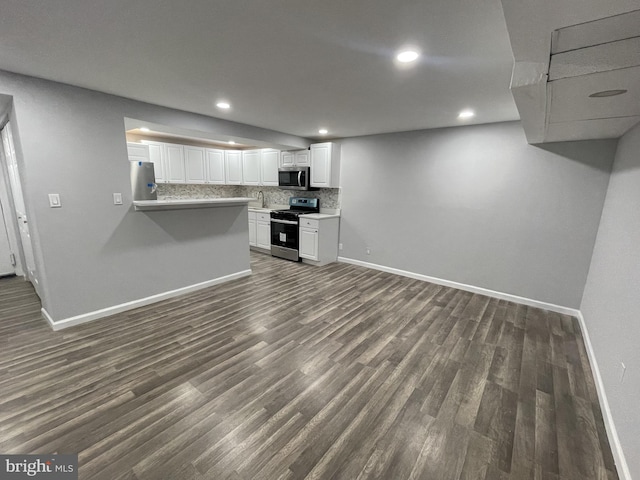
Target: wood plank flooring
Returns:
[[362, 375]]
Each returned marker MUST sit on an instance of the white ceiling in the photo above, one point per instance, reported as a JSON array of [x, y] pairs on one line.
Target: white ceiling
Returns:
[[290, 66], [566, 50]]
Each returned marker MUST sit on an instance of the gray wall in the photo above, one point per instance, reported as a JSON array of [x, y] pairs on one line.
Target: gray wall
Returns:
[[71, 141], [611, 303], [477, 205]]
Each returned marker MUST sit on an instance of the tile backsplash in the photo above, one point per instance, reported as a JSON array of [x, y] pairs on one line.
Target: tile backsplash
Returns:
[[167, 191], [329, 197]]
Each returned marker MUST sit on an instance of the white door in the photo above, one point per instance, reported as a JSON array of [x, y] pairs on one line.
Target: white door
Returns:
[[6, 263], [251, 167], [215, 166], [156, 155], [233, 167], [303, 158], [270, 159], [287, 159], [308, 244], [138, 152], [252, 229], [320, 165], [18, 201], [175, 163], [194, 161], [264, 235]]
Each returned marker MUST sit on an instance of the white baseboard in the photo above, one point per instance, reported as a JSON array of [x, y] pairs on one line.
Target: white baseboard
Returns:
[[612, 433], [105, 312], [468, 288], [616, 447]]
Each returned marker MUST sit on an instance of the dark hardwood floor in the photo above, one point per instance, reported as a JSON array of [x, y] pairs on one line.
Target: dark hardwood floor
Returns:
[[304, 372]]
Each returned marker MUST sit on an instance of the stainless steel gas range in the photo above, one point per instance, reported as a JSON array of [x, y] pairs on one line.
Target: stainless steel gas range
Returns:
[[285, 227]]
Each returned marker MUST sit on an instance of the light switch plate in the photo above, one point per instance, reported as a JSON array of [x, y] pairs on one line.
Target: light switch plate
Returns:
[[54, 200], [117, 199]]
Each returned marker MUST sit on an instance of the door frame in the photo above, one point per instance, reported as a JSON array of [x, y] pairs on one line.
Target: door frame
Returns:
[[11, 221], [4, 232]]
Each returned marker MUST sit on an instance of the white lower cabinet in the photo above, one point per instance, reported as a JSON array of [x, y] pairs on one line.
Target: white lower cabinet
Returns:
[[252, 229], [308, 243], [260, 230], [318, 239], [264, 231]]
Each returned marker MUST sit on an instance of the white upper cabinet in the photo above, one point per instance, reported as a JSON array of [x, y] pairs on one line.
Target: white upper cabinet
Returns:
[[233, 167], [215, 166], [297, 158], [287, 159], [251, 167], [195, 164], [302, 158], [157, 156], [325, 165], [138, 152], [269, 173], [175, 163]]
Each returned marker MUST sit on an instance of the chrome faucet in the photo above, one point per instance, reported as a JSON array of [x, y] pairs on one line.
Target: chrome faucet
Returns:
[[261, 193]]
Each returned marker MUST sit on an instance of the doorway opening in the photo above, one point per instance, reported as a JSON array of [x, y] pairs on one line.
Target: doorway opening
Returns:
[[16, 252]]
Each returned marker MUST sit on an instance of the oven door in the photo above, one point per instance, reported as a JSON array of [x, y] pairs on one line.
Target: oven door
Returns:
[[284, 239]]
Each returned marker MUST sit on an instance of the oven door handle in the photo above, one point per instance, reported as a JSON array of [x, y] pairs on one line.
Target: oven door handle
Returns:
[[288, 222], [300, 178]]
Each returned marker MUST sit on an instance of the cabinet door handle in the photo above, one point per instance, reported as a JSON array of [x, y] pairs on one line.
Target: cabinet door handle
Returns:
[[288, 222]]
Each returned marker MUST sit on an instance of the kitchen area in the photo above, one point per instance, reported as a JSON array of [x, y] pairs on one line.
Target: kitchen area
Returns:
[[293, 196]]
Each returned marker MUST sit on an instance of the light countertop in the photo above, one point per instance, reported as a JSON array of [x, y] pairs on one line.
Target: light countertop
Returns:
[[179, 204], [320, 216]]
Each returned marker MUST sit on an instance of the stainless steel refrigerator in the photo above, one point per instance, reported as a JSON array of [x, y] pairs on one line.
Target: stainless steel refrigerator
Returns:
[[143, 181]]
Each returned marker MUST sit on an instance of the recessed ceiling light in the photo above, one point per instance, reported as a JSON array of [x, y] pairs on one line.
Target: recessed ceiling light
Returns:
[[144, 129], [407, 56], [466, 114], [607, 93], [223, 105], [323, 131], [231, 142]]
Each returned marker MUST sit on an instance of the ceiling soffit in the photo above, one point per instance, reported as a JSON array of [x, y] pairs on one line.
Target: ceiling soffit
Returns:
[[554, 99]]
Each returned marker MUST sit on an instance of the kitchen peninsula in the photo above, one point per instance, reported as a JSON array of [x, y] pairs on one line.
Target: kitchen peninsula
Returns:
[[181, 204]]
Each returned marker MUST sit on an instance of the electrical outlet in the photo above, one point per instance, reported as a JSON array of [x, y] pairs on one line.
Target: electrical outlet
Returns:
[[623, 369], [339, 246], [368, 251]]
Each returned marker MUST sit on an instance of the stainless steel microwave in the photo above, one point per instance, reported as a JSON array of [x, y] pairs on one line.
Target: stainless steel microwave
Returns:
[[294, 178]]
